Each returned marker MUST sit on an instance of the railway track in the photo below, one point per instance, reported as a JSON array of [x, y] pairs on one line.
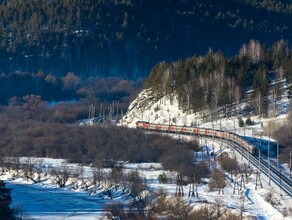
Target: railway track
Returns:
[[275, 174], [247, 150]]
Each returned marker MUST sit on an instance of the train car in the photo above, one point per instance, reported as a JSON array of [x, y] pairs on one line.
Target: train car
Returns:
[[199, 131], [154, 127], [142, 124], [172, 128], [220, 134], [189, 130], [196, 131]]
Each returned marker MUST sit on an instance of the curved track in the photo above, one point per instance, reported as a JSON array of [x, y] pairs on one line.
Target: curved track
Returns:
[[247, 150], [275, 172]]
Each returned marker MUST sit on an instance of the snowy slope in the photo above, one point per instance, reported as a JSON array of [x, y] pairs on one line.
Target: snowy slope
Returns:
[[165, 111]]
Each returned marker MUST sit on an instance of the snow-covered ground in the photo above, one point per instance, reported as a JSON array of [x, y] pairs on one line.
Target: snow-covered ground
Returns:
[[165, 111], [45, 201]]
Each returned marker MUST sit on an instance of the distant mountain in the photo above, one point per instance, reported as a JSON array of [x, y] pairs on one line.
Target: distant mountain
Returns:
[[127, 37]]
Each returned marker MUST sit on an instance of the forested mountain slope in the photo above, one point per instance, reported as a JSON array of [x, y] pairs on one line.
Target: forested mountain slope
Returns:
[[127, 37], [251, 90], [214, 82]]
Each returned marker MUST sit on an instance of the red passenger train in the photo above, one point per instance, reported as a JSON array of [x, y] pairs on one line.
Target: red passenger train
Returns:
[[207, 132]]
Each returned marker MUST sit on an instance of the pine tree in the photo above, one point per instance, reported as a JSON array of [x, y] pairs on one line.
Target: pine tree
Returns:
[[5, 200]]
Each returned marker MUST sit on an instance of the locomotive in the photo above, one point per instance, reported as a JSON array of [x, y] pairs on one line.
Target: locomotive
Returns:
[[206, 132]]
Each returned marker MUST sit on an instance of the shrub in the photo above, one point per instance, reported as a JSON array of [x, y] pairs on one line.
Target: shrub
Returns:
[[240, 122], [5, 200], [157, 108], [270, 198], [162, 178], [249, 121]]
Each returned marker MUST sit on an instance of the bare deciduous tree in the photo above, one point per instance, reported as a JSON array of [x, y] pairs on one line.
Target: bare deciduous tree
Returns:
[[217, 181], [255, 51], [28, 170], [173, 207], [166, 81], [231, 89], [71, 81], [229, 165], [281, 73], [237, 97], [97, 177], [187, 90], [258, 103], [136, 185], [205, 83], [32, 106], [218, 82], [61, 175], [243, 50], [116, 175]]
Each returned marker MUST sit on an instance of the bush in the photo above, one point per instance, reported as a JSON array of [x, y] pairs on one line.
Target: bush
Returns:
[[157, 108], [5, 200], [249, 121], [240, 122], [162, 178], [270, 198], [287, 212]]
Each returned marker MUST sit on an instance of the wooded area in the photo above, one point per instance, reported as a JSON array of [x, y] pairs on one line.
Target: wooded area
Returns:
[[32, 129], [125, 37], [70, 88]]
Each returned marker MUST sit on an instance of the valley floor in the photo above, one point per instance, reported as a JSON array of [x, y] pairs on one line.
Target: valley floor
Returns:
[[45, 201]]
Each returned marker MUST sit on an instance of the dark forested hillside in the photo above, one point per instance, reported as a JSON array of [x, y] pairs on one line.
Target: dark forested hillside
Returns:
[[127, 37]]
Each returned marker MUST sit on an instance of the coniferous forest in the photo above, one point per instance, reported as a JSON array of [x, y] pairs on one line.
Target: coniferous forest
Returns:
[[126, 37]]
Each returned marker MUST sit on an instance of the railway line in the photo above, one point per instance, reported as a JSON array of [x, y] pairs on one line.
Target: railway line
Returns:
[[243, 147], [275, 173]]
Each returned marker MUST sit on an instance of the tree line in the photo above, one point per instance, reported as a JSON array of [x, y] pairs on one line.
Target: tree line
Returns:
[[70, 87], [34, 129]]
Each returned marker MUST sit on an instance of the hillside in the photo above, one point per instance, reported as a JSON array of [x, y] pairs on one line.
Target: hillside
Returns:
[[243, 94], [125, 37]]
